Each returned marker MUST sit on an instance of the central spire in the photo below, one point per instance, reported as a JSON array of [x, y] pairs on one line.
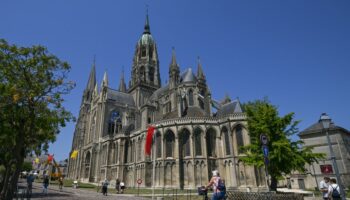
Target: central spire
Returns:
[[147, 28]]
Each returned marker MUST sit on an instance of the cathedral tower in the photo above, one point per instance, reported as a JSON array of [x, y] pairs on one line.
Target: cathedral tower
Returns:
[[145, 77]]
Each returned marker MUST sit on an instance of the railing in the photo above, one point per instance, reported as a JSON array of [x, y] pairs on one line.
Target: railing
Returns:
[[263, 196]]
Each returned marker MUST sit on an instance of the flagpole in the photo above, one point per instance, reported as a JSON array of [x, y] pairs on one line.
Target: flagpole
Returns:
[[154, 165]]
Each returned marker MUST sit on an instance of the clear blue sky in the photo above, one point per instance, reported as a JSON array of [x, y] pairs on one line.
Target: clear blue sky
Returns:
[[297, 52]]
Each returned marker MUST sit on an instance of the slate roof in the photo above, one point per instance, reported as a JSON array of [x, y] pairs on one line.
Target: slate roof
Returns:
[[156, 94], [188, 76], [120, 97], [317, 127], [229, 108]]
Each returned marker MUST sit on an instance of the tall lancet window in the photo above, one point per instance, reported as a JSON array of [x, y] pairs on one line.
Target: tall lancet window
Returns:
[[143, 51], [190, 97], [185, 143], [227, 141], [114, 123], [198, 141], [158, 145], [169, 144], [142, 74], [151, 74], [211, 142], [239, 138]]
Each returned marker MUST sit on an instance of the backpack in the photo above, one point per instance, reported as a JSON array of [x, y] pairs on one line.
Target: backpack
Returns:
[[335, 193], [221, 185]]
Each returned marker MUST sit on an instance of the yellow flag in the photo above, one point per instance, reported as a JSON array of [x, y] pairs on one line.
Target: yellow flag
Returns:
[[74, 154], [37, 160]]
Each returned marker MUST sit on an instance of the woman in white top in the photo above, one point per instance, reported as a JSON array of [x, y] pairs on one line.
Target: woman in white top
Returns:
[[333, 190]]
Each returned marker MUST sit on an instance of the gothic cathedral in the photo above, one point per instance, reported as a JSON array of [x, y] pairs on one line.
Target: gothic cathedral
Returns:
[[191, 140]]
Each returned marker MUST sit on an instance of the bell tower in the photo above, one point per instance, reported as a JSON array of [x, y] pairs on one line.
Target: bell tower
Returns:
[[145, 77]]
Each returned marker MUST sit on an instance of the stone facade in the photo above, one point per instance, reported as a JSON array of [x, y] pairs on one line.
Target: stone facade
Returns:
[[190, 141], [315, 136]]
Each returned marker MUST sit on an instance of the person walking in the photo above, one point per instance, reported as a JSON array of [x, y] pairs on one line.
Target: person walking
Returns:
[[122, 187], [218, 185], [333, 190], [60, 183], [30, 180], [117, 185], [324, 186], [45, 184], [105, 187]]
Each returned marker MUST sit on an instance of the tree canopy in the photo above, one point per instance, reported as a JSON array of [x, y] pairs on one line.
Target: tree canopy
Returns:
[[286, 154], [32, 85]]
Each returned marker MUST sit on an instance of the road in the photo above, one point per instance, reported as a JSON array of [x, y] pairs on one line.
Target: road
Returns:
[[73, 194]]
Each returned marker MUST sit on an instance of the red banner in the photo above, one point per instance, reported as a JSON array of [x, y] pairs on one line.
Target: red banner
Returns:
[[326, 169], [149, 138]]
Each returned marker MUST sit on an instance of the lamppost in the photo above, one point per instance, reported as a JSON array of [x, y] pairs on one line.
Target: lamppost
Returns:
[[326, 121]]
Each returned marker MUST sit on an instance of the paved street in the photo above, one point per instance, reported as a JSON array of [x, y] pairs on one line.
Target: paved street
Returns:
[[73, 194]]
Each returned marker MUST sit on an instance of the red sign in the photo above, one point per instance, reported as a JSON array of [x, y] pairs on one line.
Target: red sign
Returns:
[[326, 169], [139, 181]]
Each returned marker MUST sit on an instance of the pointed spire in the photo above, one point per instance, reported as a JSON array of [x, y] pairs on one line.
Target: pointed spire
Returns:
[[122, 85], [95, 93], [200, 73], [92, 77], [173, 59], [105, 80], [147, 27]]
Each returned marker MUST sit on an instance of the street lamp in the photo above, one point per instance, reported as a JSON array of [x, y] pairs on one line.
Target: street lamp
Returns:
[[326, 121]]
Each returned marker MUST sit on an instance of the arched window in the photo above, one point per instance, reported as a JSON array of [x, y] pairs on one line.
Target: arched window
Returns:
[[190, 98], [227, 141], [211, 140], [169, 143], [143, 51], [142, 74], [185, 143], [116, 153], [159, 145], [114, 123], [126, 151], [198, 141], [201, 101], [139, 150], [239, 138], [151, 74], [87, 165]]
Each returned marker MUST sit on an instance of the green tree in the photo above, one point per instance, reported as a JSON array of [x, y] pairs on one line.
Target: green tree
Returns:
[[27, 166], [32, 83], [285, 155]]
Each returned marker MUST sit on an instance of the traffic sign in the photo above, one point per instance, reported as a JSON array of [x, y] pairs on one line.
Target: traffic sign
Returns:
[[139, 181], [265, 150], [263, 139]]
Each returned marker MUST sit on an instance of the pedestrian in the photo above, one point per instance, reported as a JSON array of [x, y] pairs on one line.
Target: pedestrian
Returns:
[[45, 184], [333, 190], [122, 187], [75, 183], [30, 180], [218, 185], [105, 187], [117, 185], [324, 188], [60, 183]]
